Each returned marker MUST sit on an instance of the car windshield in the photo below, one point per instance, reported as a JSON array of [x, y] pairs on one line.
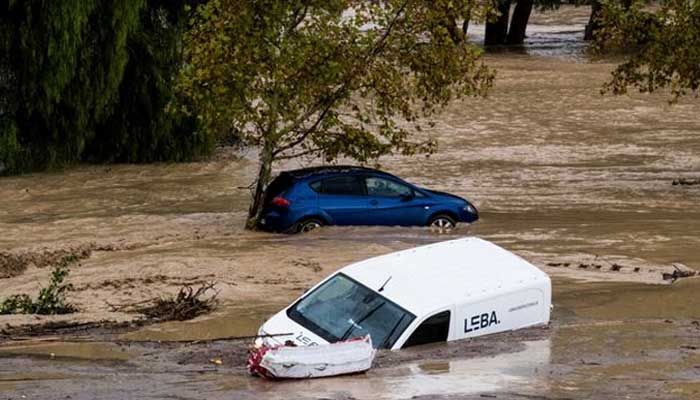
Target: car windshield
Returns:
[[342, 308]]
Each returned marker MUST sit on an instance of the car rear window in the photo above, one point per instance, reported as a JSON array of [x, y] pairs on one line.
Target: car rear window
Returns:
[[278, 186], [340, 185]]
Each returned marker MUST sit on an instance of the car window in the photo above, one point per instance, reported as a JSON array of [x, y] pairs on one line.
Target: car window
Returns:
[[341, 185], [278, 186], [386, 188], [342, 308], [433, 329]]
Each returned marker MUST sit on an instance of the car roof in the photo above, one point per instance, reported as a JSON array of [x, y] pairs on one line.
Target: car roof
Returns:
[[332, 170], [427, 278]]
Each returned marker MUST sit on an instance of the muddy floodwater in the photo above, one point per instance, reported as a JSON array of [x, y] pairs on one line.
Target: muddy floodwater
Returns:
[[578, 183]]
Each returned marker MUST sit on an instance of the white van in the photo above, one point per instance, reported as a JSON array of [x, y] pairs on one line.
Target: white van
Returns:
[[444, 291]]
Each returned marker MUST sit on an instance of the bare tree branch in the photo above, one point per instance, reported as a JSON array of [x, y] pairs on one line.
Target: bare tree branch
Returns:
[[299, 154]]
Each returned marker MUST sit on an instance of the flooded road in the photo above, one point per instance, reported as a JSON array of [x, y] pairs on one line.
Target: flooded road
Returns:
[[596, 347], [563, 176]]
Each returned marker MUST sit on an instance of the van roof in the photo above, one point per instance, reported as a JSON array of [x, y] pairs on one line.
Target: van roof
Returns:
[[427, 278]]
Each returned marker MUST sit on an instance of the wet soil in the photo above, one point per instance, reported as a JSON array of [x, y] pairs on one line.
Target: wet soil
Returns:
[[578, 183], [578, 360]]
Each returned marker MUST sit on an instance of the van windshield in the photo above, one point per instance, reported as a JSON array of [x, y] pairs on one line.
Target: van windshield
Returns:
[[342, 308]]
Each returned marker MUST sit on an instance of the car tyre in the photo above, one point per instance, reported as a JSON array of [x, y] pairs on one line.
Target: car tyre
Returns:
[[442, 223], [308, 225]]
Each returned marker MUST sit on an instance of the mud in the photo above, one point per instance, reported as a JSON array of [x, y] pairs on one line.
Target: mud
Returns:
[[575, 358], [13, 264], [578, 183]]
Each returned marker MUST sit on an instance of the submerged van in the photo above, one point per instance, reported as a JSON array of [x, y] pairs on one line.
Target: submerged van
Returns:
[[444, 291]]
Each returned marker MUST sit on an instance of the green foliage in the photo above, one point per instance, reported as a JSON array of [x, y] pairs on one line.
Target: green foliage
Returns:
[[68, 60], [9, 147], [140, 127], [90, 80], [663, 43], [309, 78], [51, 299], [17, 304]]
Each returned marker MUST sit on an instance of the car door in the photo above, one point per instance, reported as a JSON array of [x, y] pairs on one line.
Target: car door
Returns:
[[343, 198], [394, 203]]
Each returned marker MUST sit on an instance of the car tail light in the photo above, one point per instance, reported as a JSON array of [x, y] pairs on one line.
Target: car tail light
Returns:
[[280, 202]]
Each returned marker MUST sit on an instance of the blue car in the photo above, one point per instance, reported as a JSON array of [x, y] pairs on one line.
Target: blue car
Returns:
[[305, 199]]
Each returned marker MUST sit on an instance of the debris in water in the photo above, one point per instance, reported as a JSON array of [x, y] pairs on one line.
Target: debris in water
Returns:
[[216, 361], [340, 358], [15, 263], [555, 264], [686, 181], [189, 303], [681, 271], [315, 266]]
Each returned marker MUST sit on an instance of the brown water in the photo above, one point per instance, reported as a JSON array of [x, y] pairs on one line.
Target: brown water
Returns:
[[601, 345], [558, 172]]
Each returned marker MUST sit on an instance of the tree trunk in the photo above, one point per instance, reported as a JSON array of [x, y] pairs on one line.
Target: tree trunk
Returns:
[[264, 174], [465, 23], [593, 24], [497, 31], [518, 24]]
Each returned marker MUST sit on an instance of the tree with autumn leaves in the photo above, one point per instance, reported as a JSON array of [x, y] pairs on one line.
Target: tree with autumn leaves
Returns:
[[328, 78], [662, 46]]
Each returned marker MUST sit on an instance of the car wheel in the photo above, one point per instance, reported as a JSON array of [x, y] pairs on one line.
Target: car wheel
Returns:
[[442, 223], [309, 225]]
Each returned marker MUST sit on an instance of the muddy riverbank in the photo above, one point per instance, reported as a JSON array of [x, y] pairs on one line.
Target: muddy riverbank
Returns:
[[578, 183], [595, 348]]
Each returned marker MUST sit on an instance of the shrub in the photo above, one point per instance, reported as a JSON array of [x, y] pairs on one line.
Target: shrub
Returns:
[[51, 299]]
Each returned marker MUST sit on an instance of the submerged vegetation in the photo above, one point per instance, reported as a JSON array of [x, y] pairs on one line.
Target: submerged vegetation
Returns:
[[187, 304], [51, 299]]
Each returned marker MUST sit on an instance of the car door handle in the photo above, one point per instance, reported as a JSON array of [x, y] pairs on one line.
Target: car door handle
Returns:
[[373, 202]]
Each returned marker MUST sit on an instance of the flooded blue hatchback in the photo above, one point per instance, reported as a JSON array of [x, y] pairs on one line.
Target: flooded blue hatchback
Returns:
[[305, 199]]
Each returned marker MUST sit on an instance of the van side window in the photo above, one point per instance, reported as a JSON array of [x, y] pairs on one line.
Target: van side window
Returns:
[[433, 329]]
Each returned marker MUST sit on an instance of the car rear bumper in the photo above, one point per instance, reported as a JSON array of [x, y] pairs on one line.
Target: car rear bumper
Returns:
[[275, 221]]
